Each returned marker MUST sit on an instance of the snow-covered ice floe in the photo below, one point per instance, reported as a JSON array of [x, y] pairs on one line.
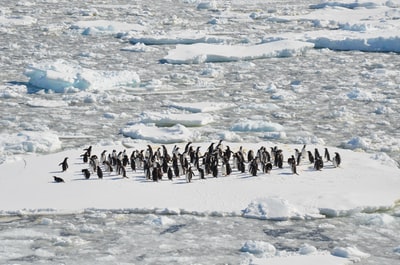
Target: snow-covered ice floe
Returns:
[[203, 52], [177, 133], [362, 183], [61, 76], [89, 27]]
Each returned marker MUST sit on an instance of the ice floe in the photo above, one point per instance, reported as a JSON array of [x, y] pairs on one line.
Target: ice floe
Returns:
[[61, 76], [203, 52]]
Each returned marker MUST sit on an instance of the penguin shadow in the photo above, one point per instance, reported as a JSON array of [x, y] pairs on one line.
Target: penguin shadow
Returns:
[[286, 174], [56, 172], [181, 181], [247, 176]]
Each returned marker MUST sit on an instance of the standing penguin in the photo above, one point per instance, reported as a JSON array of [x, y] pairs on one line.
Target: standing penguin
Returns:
[[64, 164], [293, 168], [201, 172], [310, 157], [336, 160], [99, 172], [189, 174], [170, 173], [327, 155], [318, 164]]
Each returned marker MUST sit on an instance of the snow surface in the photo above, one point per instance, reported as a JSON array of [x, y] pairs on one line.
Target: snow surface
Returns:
[[363, 183]]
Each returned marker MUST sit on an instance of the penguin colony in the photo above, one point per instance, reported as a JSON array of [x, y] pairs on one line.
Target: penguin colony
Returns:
[[217, 160]]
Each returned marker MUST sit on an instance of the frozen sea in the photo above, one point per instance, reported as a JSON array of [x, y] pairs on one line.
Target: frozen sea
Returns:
[[75, 73]]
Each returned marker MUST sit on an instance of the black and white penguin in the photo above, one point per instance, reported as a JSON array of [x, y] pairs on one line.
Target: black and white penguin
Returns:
[[103, 156], [303, 151], [85, 157], [189, 174], [268, 167], [253, 167], [170, 173], [327, 156], [310, 157], [318, 164], [99, 172], [94, 162], [58, 179], [88, 151], [316, 153], [336, 160], [108, 166], [86, 173], [279, 158], [250, 156], [293, 168], [291, 160], [201, 172], [64, 164]]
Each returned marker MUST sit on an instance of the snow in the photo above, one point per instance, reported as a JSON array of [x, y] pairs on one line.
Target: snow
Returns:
[[361, 183]]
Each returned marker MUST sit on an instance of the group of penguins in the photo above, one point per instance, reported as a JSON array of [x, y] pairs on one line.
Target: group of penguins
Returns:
[[217, 160]]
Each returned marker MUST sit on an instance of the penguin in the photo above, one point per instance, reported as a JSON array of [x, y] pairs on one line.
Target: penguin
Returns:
[[327, 155], [58, 179], [159, 170], [164, 165], [103, 156], [268, 167], [303, 151], [279, 158], [201, 172], [108, 166], [253, 167], [154, 174], [169, 173], [336, 160], [85, 157], [123, 172], [310, 157], [125, 160], [316, 153], [293, 168], [94, 162], [291, 160], [64, 164], [88, 151], [250, 156], [189, 175], [228, 169], [99, 172], [318, 164], [297, 155], [214, 168], [86, 173], [133, 163]]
